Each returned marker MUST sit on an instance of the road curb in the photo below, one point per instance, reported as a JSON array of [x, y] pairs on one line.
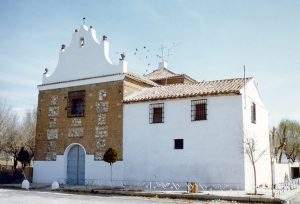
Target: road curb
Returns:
[[246, 199]]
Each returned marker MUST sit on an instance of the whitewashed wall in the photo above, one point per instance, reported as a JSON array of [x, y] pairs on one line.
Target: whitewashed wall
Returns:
[[49, 171], [212, 148], [96, 172], [260, 132]]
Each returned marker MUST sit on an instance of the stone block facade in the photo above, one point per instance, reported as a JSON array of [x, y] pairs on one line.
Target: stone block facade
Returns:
[[99, 129]]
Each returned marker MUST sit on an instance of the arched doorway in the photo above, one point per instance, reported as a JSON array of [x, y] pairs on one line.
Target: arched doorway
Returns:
[[76, 166]]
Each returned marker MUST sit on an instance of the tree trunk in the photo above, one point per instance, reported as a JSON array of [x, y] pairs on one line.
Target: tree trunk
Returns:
[[280, 156], [15, 163], [254, 172], [272, 176], [6, 162]]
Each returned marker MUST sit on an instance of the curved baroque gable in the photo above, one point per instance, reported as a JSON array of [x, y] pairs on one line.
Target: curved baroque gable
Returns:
[[85, 57]]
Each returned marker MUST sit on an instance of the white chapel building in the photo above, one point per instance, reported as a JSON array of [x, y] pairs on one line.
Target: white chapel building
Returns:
[[165, 126]]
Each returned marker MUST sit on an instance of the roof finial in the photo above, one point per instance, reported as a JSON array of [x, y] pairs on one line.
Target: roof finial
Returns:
[[122, 55], [46, 70], [83, 21]]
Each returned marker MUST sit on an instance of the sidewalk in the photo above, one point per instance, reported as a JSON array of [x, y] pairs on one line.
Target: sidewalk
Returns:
[[238, 196]]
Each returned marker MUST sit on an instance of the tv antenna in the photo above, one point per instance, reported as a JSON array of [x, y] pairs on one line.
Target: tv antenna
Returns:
[[166, 52]]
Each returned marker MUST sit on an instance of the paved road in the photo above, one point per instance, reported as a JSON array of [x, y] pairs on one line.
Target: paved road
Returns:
[[35, 197]]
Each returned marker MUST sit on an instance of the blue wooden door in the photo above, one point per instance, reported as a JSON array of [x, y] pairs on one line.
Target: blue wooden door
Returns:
[[76, 166]]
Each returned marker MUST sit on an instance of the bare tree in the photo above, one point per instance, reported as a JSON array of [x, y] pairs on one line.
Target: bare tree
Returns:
[[254, 156], [4, 122], [8, 131], [27, 132], [15, 134], [11, 141], [272, 136], [286, 140]]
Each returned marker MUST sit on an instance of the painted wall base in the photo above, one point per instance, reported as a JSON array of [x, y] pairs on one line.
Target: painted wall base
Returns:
[[96, 172]]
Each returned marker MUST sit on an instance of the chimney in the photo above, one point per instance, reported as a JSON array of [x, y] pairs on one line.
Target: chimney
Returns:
[[162, 64]]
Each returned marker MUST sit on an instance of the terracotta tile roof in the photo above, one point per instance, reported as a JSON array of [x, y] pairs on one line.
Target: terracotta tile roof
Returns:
[[160, 73], [164, 73], [140, 78], [204, 88]]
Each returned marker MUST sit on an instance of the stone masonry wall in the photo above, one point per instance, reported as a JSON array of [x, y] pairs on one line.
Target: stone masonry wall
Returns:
[[100, 128]]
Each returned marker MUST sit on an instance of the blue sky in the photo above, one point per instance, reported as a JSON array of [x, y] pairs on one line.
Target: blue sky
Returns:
[[213, 40]]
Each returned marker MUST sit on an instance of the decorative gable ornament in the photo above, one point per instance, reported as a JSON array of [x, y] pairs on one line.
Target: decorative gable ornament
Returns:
[[85, 57]]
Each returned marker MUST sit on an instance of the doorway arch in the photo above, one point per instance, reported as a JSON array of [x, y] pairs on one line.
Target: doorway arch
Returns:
[[76, 165]]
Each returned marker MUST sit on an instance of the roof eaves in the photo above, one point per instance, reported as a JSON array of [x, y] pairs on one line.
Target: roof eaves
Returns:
[[215, 93]]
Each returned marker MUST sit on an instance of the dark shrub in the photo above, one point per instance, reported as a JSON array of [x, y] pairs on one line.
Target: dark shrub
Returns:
[[11, 176]]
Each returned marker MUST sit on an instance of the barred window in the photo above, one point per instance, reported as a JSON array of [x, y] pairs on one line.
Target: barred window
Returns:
[[76, 101], [253, 113], [156, 113], [199, 110], [178, 143]]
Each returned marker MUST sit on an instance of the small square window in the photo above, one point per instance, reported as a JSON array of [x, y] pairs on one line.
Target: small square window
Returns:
[[178, 143], [156, 113], [199, 110], [76, 100]]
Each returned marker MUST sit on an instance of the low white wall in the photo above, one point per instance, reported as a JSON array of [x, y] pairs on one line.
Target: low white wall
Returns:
[[49, 171], [96, 172]]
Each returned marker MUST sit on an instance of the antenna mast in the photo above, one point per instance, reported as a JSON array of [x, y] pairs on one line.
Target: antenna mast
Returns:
[[244, 70]]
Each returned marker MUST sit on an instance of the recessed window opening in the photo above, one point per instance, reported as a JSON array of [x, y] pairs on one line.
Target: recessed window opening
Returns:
[[199, 110], [156, 113], [76, 101], [81, 42], [253, 113], [178, 143]]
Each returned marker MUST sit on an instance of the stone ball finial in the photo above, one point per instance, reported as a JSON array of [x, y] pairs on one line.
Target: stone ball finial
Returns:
[[45, 71], [25, 184], [55, 185], [122, 56]]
